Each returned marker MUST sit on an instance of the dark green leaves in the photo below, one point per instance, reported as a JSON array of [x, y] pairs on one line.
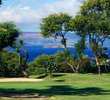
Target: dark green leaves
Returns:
[[8, 33], [54, 25], [79, 47]]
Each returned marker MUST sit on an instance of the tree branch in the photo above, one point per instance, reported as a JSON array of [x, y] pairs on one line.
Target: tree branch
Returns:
[[106, 35]]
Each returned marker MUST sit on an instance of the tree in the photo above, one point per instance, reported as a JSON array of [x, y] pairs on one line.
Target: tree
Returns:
[[79, 47], [34, 69], [48, 62], [22, 65], [85, 66], [8, 33], [43, 64], [55, 25], [100, 10], [64, 58], [40, 61], [9, 64], [92, 18], [52, 66]]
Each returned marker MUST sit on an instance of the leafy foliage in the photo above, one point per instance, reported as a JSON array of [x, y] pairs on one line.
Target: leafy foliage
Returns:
[[43, 64], [93, 21], [9, 64], [8, 33], [52, 66], [79, 47], [56, 25]]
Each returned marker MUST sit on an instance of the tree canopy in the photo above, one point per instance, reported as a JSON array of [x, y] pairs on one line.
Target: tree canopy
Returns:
[[8, 33], [93, 20], [56, 25], [79, 47]]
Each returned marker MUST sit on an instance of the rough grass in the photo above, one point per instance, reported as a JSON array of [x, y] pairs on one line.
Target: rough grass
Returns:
[[64, 87]]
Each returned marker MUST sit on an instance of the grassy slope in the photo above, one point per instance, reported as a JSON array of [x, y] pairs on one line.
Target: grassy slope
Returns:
[[64, 87]]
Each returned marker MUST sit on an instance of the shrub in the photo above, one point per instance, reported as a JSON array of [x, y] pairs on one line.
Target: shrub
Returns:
[[9, 65]]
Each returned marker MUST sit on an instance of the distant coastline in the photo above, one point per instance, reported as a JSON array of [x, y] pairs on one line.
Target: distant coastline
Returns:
[[55, 46]]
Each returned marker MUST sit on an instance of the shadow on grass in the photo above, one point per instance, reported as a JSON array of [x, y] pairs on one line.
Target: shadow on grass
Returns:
[[41, 76], [57, 75], [59, 80], [59, 90], [53, 75]]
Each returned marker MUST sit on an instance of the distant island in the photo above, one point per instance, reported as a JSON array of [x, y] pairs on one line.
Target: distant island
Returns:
[[55, 46]]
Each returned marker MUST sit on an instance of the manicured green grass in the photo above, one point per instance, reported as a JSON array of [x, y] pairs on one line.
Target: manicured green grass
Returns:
[[64, 87]]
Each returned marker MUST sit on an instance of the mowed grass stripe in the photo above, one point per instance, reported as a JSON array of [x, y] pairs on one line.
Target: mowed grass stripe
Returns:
[[64, 87]]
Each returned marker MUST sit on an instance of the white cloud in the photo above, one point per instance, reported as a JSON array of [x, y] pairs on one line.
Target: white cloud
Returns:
[[68, 6], [29, 19]]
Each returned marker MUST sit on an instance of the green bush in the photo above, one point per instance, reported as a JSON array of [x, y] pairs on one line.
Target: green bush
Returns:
[[64, 68], [9, 65], [34, 69], [42, 65]]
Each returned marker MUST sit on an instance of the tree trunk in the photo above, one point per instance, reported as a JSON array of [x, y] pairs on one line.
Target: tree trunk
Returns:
[[98, 65], [19, 59], [27, 56], [65, 47], [64, 43], [78, 65], [25, 73], [20, 64], [69, 64], [96, 58]]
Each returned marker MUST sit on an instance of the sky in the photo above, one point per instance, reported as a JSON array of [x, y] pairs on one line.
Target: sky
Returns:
[[27, 14]]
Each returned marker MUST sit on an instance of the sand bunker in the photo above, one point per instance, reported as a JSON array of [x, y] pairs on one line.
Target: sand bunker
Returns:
[[23, 96], [19, 80]]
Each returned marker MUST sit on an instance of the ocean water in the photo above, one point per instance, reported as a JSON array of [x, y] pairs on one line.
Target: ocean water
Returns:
[[35, 51]]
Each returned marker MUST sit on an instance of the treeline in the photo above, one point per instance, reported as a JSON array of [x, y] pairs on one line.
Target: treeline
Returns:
[[47, 64], [92, 21]]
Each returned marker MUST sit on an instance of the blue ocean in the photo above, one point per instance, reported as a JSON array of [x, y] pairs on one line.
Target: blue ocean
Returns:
[[35, 51], [34, 43]]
